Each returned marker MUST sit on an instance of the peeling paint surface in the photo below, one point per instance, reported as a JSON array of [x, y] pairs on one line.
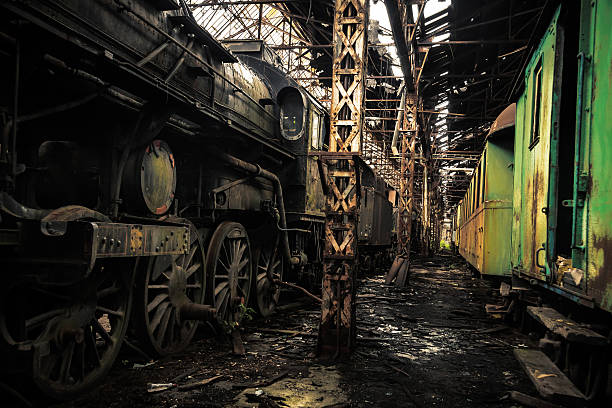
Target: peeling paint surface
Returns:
[[597, 147], [592, 186], [482, 241], [532, 159]]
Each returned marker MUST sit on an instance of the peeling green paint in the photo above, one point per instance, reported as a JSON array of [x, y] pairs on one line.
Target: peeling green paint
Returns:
[[536, 199]]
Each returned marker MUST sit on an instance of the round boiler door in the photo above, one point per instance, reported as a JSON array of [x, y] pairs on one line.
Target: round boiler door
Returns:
[[158, 177]]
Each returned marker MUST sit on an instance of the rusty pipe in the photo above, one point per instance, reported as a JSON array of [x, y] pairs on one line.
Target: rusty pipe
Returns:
[[11, 206], [278, 190]]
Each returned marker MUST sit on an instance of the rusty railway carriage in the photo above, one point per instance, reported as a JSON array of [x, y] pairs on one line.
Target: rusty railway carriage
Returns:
[[145, 172], [561, 218], [483, 216], [562, 224], [376, 218], [562, 215]]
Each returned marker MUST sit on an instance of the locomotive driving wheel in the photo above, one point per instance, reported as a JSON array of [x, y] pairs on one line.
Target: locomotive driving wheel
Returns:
[[267, 292], [74, 331], [229, 266], [169, 282]]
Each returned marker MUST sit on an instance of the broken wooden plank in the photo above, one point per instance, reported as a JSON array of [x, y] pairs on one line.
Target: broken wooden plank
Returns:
[[550, 382], [403, 273], [185, 374], [530, 401], [284, 331], [294, 286], [200, 383], [564, 327]]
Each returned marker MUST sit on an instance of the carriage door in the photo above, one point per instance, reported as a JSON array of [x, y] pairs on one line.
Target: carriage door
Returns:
[[539, 153]]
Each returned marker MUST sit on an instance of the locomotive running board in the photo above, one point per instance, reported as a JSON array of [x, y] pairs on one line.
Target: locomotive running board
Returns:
[[82, 242]]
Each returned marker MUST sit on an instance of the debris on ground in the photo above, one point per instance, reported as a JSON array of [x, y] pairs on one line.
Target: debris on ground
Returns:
[[427, 344]]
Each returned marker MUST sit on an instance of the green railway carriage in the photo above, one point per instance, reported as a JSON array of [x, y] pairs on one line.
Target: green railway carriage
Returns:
[[562, 204], [484, 214]]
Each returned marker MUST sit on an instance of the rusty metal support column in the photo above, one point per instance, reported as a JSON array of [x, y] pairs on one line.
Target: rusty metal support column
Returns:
[[337, 326], [400, 267]]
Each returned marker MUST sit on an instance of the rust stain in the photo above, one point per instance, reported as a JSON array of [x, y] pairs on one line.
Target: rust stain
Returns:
[[601, 284]]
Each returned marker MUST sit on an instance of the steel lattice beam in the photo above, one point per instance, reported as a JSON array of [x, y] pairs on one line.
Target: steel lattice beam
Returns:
[[404, 31], [337, 325]]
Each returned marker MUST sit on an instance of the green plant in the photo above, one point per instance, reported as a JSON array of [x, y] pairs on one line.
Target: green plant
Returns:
[[444, 244], [242, 312]]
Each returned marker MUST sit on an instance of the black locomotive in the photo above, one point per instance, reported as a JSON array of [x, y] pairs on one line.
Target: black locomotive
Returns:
[[146, 170]]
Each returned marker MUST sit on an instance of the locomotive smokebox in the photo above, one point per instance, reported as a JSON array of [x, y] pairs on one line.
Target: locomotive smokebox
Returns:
[[149, 179]]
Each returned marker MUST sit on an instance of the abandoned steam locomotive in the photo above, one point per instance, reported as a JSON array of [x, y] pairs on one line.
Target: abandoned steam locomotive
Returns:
[[146, 170]]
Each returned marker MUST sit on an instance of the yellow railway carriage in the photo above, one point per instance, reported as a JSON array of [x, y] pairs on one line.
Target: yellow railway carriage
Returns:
[[484, 215]]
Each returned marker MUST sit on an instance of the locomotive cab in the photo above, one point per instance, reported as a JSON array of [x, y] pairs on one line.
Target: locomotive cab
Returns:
[[292, 113]]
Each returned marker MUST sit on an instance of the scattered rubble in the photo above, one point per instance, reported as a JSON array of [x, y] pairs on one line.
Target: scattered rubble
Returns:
[[427, 344]]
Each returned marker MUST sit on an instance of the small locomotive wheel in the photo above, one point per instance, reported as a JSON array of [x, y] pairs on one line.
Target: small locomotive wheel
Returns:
[[168, 283], [77, 331], [229, 268], [267, 292]]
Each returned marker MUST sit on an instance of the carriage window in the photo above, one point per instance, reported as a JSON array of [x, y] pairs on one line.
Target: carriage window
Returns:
[[536, 107], [474, 188], [484, 175]]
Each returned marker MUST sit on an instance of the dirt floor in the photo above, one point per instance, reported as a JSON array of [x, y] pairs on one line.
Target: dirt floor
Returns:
[[430, 344]]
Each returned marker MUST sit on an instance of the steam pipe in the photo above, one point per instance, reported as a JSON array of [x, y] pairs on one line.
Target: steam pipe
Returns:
[[278, 190], [18, 210]]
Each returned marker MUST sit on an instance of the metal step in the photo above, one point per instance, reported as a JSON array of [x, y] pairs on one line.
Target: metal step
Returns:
[[564, 327], [550, 382], [496, 309]]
